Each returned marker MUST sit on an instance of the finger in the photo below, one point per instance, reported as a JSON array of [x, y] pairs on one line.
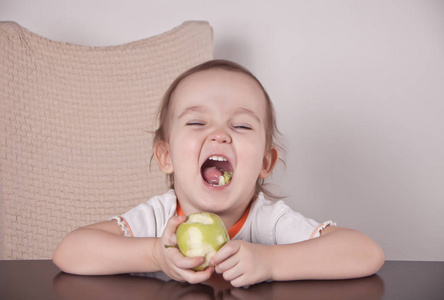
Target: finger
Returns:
[[199, 276], [240, 281], [170, 230], [232, 273], [228, 250], [184, 262], [227, 264]]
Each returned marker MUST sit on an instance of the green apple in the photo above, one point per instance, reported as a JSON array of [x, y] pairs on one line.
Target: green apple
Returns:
[[225, 178], [202, 234]]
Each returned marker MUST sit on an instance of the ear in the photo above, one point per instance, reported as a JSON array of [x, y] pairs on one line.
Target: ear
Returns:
[[270, 159], [162, 154]]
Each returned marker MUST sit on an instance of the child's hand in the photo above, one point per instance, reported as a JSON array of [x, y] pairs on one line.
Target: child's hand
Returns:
[[172, 262], [243, 263]]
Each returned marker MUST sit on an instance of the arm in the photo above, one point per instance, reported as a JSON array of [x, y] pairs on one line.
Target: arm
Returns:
[[101, 249], [338, 253]]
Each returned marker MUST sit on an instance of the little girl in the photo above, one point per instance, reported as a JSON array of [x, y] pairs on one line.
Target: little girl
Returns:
[[217, 119]]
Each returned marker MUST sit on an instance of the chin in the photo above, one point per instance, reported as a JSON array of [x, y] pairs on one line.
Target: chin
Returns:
[[215, 202]]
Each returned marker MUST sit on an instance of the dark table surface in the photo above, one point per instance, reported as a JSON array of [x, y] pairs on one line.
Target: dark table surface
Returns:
[[41, 279]]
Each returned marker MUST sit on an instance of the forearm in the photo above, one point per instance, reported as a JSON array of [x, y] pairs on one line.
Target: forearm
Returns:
[[339, 254], [90, 251]]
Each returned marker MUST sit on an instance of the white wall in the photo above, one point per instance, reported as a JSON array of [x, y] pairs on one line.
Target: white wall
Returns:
[[357, 85]]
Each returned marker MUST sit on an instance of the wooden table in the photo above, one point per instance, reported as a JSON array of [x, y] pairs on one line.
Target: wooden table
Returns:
[[41, 279]]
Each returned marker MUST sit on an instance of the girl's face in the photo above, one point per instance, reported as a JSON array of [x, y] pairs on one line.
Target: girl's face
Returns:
[[217, 123]]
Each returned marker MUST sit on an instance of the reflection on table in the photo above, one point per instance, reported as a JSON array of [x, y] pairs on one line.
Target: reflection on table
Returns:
[[41, 279], [156, 286]]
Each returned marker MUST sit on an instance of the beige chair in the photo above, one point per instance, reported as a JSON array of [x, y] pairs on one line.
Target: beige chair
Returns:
[[75, 122]]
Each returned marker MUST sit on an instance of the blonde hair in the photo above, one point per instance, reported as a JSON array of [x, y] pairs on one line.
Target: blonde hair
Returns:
[[272, 132]]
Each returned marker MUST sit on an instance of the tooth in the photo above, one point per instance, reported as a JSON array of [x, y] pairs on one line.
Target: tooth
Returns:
[[218, 158]]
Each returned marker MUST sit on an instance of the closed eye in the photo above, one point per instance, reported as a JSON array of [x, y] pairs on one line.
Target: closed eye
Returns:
[[195, 123], [243, 126]]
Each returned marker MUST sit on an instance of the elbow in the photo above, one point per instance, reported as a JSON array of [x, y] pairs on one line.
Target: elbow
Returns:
[[59, 259], [377, 259], [66, 265], [64, 259], [373, 260], [367, 257]]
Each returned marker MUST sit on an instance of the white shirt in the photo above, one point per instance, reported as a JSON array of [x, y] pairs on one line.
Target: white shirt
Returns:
[[268, 222]]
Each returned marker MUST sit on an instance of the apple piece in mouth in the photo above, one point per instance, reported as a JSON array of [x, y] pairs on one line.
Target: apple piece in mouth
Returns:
[[225, 178], [217, 171], [201, 235]]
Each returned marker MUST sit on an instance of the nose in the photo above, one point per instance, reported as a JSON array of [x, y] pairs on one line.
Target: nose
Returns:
[[220, 136]]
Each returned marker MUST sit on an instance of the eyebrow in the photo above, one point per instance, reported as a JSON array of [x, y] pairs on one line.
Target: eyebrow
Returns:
[[243, 110], [240, 110], [192, 109]]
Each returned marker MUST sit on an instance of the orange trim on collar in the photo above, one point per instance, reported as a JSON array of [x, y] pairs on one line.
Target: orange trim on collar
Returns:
[[239, 224], [179, 211], [234, 229]]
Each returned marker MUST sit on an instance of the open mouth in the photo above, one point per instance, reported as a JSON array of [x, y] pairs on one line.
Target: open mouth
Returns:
[[217, 171]]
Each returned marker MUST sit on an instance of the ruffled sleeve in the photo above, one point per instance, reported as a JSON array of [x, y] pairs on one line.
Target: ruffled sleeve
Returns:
[[123, 225], [317, 232], [148, 219]]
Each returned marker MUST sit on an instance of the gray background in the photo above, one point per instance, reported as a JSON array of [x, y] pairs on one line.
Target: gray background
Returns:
[[357, 85]]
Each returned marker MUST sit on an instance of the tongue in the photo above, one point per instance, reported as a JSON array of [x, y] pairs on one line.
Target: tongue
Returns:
[[212, 175]]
